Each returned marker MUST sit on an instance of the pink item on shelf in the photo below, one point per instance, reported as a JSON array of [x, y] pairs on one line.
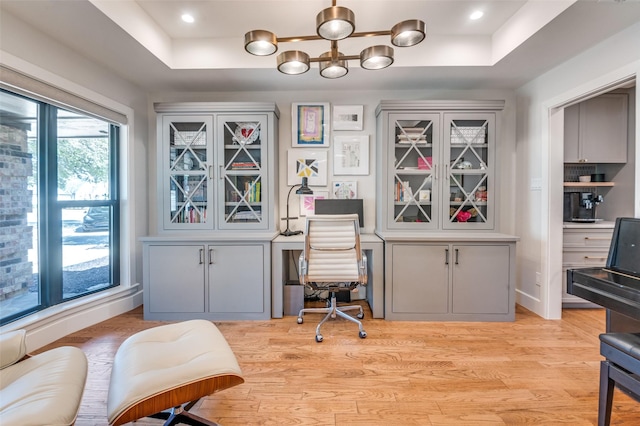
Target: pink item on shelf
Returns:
[[463, 216], [424, 163]]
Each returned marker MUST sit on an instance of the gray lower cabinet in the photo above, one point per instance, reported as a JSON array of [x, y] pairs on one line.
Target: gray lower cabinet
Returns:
[[583, 246], [439, 281], [215, 281]]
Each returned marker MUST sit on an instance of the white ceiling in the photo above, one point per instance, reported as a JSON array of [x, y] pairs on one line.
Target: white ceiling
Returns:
[[145, 41]]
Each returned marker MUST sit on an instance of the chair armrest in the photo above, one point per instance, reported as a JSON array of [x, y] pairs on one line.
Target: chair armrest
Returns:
[[302, 268], [364, 270], [13, 347]]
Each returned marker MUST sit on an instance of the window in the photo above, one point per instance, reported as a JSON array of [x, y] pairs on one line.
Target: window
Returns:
[[59, 209]]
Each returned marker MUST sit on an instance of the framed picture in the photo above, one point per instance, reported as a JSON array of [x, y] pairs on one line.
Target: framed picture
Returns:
[[345, 190], [351, 155], [308, 163], [308, 202], [347, 117], [310, 124]]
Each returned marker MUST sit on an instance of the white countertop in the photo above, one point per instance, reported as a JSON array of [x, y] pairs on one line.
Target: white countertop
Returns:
[[603, 224]]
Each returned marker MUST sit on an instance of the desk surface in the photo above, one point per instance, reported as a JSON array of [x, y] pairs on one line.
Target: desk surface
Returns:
[[298, 240], [371, 243]]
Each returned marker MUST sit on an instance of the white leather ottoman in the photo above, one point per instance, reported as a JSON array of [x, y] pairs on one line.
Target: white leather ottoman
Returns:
[[164, 367]]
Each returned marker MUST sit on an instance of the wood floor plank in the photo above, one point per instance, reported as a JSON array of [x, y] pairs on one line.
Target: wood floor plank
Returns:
[[528, 372]]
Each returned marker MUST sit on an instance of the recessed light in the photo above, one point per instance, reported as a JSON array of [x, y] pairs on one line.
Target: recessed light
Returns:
[[188, 18], [476, 15]]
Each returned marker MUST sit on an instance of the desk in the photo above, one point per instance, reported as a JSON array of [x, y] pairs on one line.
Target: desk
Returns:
[[280, 255]]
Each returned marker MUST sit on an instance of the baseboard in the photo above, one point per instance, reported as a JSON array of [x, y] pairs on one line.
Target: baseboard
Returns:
[[51, 324]]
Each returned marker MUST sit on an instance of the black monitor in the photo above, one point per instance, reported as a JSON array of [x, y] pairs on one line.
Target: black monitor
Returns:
[[624, 253], [327, 206]]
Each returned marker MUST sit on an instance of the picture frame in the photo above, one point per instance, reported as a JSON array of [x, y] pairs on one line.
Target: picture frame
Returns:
[[308, 163], [307, 202], [348, 117], [344, 190], [310, 124], [351, 155]]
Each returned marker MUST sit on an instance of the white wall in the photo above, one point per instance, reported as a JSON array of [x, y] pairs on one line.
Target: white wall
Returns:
[[539, 157]]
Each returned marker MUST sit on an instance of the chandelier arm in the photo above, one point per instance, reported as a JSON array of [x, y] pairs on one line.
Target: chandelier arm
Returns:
[[341, 58], [298, 38], [371, 34]]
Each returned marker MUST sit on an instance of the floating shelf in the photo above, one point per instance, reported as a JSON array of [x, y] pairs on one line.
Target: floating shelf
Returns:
[[589, 184]]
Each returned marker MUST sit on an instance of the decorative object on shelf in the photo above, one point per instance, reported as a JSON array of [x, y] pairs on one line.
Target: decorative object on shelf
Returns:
[[347, 117], [308, 202], [311, 164], [246, 133], [310, 124], [351, 155], [345, 190], [303, 190], [333, 24]]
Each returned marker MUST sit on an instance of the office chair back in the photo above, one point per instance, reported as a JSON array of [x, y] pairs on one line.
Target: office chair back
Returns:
[[332, 250]]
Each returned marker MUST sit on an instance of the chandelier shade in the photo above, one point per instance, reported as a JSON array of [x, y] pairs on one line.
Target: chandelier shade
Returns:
[[333, 24], [333, 68], [376, 57], [408, 33], [293, 62], [260, 42]]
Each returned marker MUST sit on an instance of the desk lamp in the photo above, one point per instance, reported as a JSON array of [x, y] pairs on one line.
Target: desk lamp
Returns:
[[303, 190]]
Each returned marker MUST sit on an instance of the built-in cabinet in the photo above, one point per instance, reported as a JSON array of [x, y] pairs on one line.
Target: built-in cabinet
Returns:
[[596, 130], [214, 280], [217, 215], [440, 280], [436, 211], [436, 169]]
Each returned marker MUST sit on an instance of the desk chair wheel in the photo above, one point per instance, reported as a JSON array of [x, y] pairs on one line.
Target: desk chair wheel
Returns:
[[300, 320], [360, 315], [362, 334], [318, 338]]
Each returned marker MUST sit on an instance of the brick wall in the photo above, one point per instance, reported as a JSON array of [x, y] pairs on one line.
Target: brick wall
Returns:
[[16, 236]]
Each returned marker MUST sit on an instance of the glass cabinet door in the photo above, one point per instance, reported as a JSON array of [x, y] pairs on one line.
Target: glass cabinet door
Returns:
[[243, 142], [413, 158], [469, 162], [187, 171]]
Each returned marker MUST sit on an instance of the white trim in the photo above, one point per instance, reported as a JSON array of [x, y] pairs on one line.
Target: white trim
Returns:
[[551, 297], [57, 321], [53, 323]]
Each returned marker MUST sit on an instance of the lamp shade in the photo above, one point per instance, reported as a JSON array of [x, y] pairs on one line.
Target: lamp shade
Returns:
[[293, 62], [260, 42], [333, 68], [376, 57], [408, 33], [335, 23]]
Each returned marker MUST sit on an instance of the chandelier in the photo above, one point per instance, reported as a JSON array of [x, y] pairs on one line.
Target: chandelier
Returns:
[[333, 24]]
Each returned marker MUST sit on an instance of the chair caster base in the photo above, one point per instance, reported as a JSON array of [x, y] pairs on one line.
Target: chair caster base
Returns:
[[362, 334]]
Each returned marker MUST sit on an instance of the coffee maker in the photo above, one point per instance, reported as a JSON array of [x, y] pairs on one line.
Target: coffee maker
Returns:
[[581, 206]]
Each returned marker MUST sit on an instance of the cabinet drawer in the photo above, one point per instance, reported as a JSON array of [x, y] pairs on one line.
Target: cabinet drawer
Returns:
[[588, 239], [584, 258]]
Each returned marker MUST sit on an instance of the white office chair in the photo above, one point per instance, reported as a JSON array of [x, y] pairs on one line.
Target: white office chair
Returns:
[[332, 260]]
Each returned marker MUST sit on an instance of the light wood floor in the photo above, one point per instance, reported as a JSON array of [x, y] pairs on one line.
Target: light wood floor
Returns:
[[530, 371]]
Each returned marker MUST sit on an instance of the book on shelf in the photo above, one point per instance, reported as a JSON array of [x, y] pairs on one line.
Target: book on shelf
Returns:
[[243, 165]]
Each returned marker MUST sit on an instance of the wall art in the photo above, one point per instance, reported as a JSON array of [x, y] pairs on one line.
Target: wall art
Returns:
[[310, 124]]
